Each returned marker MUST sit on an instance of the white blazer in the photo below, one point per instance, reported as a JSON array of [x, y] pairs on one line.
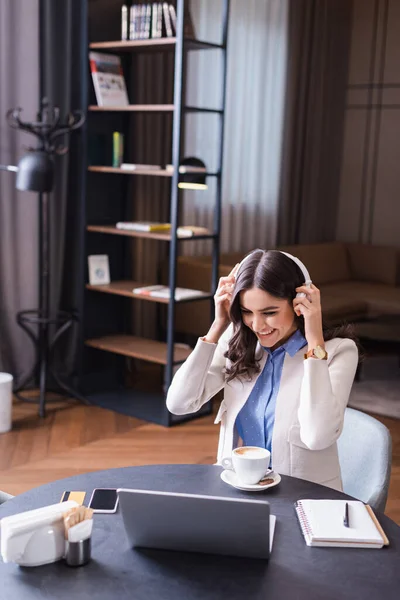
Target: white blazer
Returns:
[[310, 405]]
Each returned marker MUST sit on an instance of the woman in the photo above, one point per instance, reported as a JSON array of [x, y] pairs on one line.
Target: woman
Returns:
[[286, 380]]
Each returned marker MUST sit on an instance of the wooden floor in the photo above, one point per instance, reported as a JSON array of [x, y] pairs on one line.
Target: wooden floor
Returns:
[[76, 439]]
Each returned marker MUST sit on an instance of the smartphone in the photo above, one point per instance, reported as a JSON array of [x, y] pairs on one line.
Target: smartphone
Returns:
[[104, 500]]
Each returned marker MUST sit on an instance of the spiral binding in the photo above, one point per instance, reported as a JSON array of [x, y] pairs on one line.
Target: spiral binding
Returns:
[[304, 524]]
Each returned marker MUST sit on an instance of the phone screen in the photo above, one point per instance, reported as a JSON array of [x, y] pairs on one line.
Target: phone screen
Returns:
[[104, 499]]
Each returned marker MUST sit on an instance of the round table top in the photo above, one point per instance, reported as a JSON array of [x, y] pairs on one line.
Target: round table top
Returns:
[[294, 571]]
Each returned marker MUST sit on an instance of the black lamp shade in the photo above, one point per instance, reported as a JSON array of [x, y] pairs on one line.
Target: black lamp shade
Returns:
[[35, 172], [192, 174]]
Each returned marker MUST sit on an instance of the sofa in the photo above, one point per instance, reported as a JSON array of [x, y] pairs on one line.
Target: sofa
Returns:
[[357, 281]]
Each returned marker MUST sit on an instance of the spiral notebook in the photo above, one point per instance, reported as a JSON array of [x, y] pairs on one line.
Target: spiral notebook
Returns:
[[322, 524]]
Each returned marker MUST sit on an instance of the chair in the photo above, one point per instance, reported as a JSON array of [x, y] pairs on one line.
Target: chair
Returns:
[[365, 457], [4, 497]]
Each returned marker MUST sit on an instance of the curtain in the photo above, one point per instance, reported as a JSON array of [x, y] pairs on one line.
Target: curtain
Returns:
[[318, 34], [64, 67], [256, 58], [19, 86]]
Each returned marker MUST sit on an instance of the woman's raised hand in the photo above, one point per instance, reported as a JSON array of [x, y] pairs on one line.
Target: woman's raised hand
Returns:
[[310, 308], [223, 297]]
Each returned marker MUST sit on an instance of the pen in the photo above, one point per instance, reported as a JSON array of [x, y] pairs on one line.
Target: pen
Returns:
[[346, 521]]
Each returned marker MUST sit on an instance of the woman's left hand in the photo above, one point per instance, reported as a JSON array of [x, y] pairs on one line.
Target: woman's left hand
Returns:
[[310, 308]]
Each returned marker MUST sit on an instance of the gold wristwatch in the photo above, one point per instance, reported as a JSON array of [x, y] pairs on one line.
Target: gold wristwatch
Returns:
[[317, 352]]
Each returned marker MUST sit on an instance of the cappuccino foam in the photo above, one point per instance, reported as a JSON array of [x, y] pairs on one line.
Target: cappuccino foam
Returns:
[[251, 452]]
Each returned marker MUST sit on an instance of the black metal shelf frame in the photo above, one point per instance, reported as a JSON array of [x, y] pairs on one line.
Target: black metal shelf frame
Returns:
[[180, 56]]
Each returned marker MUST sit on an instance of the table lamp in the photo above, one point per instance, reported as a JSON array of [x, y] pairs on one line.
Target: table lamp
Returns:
[[192, 174]]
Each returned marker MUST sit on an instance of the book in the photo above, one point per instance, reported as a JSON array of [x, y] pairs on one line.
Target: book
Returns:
[[186, 169], [99, 269], [322, 524], [191, 230], [159, 20], [135, 167], [169, 32], [108, 79], [154, 20], [124, 22], [148, 226], [172, 14], [163, 291], [147, 27], [118, 149]]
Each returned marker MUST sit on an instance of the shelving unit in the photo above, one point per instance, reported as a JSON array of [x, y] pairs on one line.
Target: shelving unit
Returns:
[[108, 337]]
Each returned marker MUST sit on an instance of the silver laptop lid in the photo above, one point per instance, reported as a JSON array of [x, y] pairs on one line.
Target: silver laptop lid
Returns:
[[196, 523]]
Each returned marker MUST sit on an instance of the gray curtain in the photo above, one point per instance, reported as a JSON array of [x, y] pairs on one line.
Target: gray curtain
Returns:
[[256, 79], [19, 86], [63, 75], [319, 34]]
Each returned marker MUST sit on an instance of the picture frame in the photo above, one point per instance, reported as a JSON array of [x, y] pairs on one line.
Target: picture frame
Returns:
[[99, 269]]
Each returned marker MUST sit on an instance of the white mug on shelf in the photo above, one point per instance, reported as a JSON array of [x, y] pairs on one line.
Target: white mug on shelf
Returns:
[[250, 463], [6, 381]]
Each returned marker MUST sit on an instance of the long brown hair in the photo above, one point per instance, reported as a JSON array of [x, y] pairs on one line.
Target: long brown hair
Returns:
[[275, 273]]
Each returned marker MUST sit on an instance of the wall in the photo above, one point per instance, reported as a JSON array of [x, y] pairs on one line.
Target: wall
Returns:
[[369, 203], [19, 86]]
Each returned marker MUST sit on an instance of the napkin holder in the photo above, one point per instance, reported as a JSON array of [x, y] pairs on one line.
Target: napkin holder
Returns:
[[35, 537]]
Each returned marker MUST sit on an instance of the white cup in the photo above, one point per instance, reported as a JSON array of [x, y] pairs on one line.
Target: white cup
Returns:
[[250, 463], [6, 381]]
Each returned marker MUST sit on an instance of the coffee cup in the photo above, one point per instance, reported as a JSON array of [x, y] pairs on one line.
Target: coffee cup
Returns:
[[250, 463]]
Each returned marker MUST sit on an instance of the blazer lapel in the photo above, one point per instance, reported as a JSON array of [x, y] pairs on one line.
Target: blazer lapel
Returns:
[[287, 403]]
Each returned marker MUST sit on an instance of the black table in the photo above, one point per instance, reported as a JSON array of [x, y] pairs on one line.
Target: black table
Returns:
[[116, 572]]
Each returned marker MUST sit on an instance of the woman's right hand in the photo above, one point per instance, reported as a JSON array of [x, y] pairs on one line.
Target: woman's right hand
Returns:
[[223, 297]]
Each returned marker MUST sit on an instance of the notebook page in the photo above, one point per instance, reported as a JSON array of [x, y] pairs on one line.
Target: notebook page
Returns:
[[325, 521]]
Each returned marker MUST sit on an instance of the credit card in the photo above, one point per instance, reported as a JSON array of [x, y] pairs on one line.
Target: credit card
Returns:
[[79, 497]]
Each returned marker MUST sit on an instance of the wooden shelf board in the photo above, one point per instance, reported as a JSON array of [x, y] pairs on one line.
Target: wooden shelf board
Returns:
[[151, 172], [154, 235], [125, 287], [110, 229], [155, 45], [133, 108], [131, 45], [136, 347]]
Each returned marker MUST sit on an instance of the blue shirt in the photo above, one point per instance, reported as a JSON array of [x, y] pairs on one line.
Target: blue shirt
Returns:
[[255, 422]]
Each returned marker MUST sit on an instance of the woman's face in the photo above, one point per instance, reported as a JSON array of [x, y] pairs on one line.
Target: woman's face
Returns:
[[271, 319]]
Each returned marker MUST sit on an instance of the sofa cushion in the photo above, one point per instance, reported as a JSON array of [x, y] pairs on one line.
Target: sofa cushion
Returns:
[[371, 263], [336, 309], [326, 263], [380, 298]]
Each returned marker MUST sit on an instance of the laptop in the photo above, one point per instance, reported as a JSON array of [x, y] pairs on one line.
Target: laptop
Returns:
[[197, 523]]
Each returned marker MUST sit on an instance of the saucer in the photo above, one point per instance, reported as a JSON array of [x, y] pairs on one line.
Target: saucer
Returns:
[[230, 478]]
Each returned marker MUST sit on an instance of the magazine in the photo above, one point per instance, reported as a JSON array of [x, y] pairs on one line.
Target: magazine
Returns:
[[162, 291], [108, 79]]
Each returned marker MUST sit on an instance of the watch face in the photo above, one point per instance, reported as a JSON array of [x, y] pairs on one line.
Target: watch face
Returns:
[[319, 352]]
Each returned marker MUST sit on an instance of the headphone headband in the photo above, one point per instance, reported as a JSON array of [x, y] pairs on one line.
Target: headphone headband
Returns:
[[302, 267]]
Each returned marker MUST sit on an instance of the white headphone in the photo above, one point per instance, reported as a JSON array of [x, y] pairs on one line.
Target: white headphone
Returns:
[[302, 267]]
